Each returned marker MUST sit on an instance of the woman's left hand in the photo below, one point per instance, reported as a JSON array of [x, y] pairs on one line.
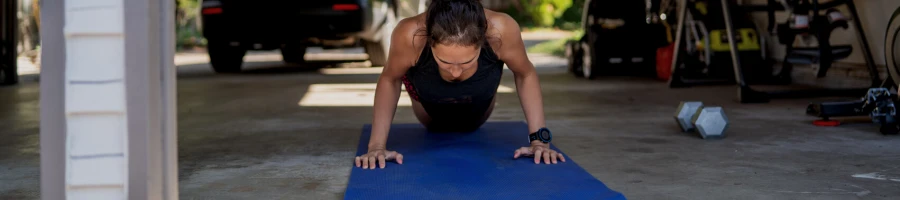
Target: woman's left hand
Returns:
[[540, 150]]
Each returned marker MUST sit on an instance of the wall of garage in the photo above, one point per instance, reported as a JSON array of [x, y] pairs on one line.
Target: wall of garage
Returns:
[[874, 16]]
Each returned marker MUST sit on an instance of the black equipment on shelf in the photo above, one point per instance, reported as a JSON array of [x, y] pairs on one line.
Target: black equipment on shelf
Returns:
[[879, 103], [619, 39], [823, 55]]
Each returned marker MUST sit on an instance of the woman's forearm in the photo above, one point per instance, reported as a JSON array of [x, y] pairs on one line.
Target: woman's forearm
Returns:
[[387, 93], [529, 89]]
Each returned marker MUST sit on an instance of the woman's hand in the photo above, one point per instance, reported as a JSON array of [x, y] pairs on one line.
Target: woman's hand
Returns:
[[379, 156], [540, 150]]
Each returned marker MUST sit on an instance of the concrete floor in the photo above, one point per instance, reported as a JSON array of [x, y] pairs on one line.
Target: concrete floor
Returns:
[[289, 132]]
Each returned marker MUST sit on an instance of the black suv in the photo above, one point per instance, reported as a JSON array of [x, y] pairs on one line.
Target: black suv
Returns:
[[232, 27]]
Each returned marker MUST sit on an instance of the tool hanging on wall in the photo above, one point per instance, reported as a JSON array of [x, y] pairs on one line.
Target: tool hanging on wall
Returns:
[[823, 55]]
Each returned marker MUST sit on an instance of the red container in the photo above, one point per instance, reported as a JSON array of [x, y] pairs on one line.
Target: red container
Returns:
[[664, 61]]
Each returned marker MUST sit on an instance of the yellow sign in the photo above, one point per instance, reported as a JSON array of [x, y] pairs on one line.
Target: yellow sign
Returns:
[[747, 40]]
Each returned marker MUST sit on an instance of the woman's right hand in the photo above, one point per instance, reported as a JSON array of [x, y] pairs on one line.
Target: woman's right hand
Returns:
[[379, 156]]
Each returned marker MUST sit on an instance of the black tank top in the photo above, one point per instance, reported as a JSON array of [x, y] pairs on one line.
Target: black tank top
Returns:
[[461, 101]]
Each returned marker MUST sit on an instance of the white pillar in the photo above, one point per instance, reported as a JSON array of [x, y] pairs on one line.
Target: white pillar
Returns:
[[95, 108], [53, 120], [114, 62]]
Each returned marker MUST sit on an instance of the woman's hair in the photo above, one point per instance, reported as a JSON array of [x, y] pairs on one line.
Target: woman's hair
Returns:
[[456, 22]]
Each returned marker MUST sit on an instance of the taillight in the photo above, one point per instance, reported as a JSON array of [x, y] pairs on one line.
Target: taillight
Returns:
[[211, 11], [345, 7], [211, 7]]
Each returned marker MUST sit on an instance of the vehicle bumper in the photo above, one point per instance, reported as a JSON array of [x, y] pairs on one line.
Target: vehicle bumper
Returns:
[[279, 25]]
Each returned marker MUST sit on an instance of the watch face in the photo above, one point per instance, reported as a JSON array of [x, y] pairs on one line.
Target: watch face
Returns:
[[545, 134]]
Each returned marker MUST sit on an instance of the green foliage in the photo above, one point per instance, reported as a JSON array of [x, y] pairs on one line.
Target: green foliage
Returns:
[[188, 37], [555, 47], [187, 24], [189, 10], [567, 16], [545, 12], [521, 17], [572, 15]]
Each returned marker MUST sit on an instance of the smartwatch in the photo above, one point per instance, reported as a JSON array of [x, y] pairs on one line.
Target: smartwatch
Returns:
[[542, 134]]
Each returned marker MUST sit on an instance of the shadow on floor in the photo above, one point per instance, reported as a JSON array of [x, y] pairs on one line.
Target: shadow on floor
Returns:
[[204, 70]]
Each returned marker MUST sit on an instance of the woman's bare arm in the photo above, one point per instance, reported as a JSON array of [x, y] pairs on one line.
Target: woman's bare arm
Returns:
[[512, 51], [401, 56]]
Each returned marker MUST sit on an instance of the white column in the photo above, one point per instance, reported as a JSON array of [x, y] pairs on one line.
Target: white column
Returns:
[[96, 114], [53, 120], [111, 62]]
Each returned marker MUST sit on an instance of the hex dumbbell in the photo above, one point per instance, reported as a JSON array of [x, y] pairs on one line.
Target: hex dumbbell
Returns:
[[709, 121]]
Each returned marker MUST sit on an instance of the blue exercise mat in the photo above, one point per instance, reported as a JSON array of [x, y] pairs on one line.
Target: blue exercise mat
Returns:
[[477, 165]]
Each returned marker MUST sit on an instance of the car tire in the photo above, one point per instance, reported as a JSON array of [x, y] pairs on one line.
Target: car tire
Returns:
[[573, 57], [225, 58], [378, 51], [589, 66], [8, 75], [293, 53]]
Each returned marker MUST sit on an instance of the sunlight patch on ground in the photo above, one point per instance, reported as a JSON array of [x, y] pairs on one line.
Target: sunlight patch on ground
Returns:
[[351, 71], [354, 95], [26, 67]]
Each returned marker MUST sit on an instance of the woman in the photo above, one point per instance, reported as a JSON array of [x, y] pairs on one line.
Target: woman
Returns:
[[450, 59]]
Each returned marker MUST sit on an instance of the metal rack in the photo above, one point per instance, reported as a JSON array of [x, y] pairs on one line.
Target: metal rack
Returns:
[[746, 94]]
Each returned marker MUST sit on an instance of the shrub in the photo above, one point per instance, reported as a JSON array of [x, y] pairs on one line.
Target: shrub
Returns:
[[571, 15], [544, 13]]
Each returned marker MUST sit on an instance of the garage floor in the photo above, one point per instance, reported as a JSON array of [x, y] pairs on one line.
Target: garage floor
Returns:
[[290, 132]]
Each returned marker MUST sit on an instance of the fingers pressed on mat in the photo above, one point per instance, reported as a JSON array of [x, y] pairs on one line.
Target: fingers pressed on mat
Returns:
[[381, 161], [357, 162], [537, 156], [372, 162], [553, 157], [524, 151], [365, 162], [547, 157]]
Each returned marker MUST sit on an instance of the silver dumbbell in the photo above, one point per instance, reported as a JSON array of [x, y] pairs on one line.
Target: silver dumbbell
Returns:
[[709, 121]]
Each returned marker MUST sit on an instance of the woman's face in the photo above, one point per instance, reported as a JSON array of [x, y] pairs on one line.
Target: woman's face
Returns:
[[456, 59]]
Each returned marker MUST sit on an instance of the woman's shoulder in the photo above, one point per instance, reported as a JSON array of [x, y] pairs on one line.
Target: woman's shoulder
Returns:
[[411, 31], [500, 22], [408, 39], [502, 29]]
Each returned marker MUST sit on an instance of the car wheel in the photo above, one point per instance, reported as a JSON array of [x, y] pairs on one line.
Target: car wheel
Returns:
[[377, 55], [8, 75], [225, 58], [293, 53], [573, 57], [378, 51], [589, 61]]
